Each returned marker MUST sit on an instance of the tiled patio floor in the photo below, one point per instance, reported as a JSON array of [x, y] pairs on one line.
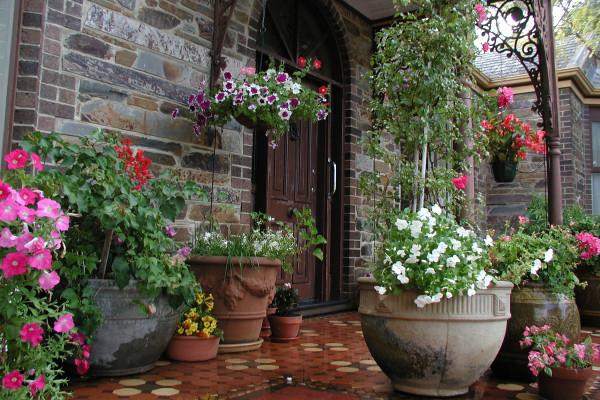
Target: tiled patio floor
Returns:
[[330, 361]]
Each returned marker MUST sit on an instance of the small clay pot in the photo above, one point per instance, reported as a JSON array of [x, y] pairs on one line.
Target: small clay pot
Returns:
[[284, 329], [564, 384]]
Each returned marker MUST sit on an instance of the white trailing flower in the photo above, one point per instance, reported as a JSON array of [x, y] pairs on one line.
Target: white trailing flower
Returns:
[[549, 255]]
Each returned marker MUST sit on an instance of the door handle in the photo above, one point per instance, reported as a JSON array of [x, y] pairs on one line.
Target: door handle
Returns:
[[291, 212], [330, 161]]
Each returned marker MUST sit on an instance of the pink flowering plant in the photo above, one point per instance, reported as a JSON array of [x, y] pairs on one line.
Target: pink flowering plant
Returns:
[[286, 300], [272, 96], [37, 331], [552, 350], [430, 251]]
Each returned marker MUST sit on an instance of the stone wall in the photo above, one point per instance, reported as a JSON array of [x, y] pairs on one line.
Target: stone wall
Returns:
[[125, 65]]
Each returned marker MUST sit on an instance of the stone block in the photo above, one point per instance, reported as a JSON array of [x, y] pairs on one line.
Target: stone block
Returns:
[[134, 31], [202, 177], [202, 6], [162, 159], [66, 96], [159, 66], [205, 160], [219, 214], [96, 89], [127, 3], [68, 21], [75, 128], [127, 118], [48, 92], [157, 18], [73, 9], [52, 47], [51, 62], [176, 11], [88, 45], [56, 4], [150, 143], [126, 58], [120, 76]]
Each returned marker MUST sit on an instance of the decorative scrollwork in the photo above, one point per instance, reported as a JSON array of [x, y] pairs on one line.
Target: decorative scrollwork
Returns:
[[512, 28]]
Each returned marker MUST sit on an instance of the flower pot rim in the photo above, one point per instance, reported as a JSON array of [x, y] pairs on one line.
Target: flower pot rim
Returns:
[[498, 284], [192, 336], [225, 260]]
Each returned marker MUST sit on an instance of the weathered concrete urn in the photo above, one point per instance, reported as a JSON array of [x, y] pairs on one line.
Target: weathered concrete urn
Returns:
[[438, 350]]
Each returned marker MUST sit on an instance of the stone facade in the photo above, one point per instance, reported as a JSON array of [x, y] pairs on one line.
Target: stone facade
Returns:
[[125, 65]]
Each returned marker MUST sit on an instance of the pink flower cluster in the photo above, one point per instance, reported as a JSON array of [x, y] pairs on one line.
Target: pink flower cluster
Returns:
[[589, 243], [550, 350], [481, 11], [505, 97], [460, 183]]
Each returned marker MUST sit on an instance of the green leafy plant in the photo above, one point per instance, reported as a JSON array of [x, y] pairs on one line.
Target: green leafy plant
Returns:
[[262, 240], [270, 96], [286, 300], [433, 253], [547, 257], [122, 214]]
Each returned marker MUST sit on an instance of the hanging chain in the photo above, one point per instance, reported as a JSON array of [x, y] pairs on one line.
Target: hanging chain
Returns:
[[263, 30]]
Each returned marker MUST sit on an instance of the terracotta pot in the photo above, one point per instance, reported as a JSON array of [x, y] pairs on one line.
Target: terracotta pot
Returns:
[[438, 350], [242, 291], [250, 124], [192, 348], [532, 304], [284, 329], [588, 300], [265, 325], [504, 171], [564, 384]]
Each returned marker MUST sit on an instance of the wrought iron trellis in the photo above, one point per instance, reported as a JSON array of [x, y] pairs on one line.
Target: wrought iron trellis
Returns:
[[531, 41]]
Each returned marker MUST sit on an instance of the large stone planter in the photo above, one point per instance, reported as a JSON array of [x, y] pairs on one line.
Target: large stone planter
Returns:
[[128, 342], [242, 291], [588, 300], [532, 304], [439, 350]]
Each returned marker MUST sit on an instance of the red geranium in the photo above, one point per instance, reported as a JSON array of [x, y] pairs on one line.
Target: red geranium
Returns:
[[135, 166], [323, 90], [317, 64], [510, 139], [302, 61]]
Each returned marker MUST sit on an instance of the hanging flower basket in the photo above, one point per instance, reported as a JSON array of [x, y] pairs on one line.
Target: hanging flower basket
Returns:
[[504, 171], [246, 121]]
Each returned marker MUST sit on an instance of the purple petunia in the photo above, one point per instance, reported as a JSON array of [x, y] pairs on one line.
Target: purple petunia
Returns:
[[285, 106], [253, 89], [175, 113], [196, 129], [294, 102], [201, 120], [322, 114], [199, 97], [282, 77], [191, 99], [285, 114], [205, 105], [192, 109], [220, 97], [272, 98], [227, 75], [262, 101], [229, 86]]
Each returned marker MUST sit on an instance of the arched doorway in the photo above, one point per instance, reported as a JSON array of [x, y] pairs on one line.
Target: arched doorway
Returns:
[[305, 168]]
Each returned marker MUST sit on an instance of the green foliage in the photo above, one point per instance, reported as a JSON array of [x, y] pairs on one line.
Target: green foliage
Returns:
[[265, 239], [286, 300], [418, 78], [547, 257], [91, 181], [582, 19]]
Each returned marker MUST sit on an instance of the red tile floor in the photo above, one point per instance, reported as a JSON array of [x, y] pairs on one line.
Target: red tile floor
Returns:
[[330, 361]]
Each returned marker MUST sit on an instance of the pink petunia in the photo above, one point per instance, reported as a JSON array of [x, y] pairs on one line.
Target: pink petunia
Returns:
[[62, 223], [16, 159], [64, 323], [56, 235], [26, 214], [14, 264], [486, 47], [7, 239], [26, 196], [36, 162], [48, 280], [41, 260], [23, 240], [37, 384], [48, 208], [506, 97], [35, 245], [82, 365], [86, 350], [5, 190], [184, 251], [32, 333], [8, 210], [170, 231], [250, 71], [460, 183], [77, 338], [13, 380]]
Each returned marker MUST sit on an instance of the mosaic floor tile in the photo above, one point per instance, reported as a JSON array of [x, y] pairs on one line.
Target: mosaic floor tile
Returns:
[[307, 369]]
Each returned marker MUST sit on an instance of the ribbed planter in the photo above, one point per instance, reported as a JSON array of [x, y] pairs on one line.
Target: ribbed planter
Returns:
[[128, 342], [532, 304], [588, 300], [284, 329], [438, 350], [504, 171], [192, 348], [242, 291], [564, 384]]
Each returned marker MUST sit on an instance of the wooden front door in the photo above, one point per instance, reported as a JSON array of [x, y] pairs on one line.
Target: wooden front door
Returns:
[[293, 174]]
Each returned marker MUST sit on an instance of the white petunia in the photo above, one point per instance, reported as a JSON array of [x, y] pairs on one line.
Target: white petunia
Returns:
[[436, 209], [548, 255], [475, 247], [456, 244], [433, 257], [437, 298], [471, 292], [449, 295], [398, 268], [452, 261], [422, 300], [430, 271], [403, 279], [412, 259], [442, 247], [423, 214], [401, 253], [415, 228], [401, 224], [431, 235], [388, 259], [489, 241], [415, 249], [379, 289], [462, 232], [537, 264]]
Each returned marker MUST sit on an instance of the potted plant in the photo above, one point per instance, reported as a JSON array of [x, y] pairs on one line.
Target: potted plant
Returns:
[[265, 100], [284, 323], [507, 140], [240, 271], [542, 264], [432, 304], [121, 233], [561, 370], [37, 331], [196, 337]]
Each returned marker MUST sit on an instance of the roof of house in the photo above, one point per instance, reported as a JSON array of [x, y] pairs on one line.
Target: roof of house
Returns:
[[570, 53]]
